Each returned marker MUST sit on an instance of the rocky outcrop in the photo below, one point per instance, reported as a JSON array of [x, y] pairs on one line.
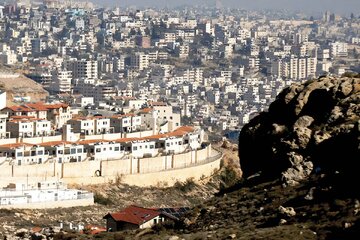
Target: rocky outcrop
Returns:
[[309, 128]]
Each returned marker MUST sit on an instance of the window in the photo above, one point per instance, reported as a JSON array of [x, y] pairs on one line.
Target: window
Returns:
[[73, 151], [60, 151], [19, 154], [40, 152], [151, 146], [116, 149], [98, 149], [134, 148], [79, 150]]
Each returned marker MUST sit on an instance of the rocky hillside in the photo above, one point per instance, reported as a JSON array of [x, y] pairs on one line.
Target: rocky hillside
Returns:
[[115, 195], [310, 128], [300, 173], [17, 85], [299, 167]]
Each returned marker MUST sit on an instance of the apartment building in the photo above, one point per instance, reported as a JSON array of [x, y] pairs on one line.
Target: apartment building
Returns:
[[82, 68], [61, 81], [140, 61], [339, 49], [294, 68]]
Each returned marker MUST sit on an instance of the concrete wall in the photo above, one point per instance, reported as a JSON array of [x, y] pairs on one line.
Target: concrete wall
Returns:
[[138, 134], [36, 140], [112, 168], [80, 169], [5, 171], [36, 170], [155, 164], [8, 141], [109, 136], [158, 179], [146, 170]]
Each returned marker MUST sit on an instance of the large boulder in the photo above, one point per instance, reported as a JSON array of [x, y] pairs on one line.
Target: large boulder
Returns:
[[309, 128]]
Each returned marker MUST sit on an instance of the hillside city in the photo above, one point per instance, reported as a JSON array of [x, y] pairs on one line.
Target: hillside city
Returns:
[[134, 91], [216, 68]]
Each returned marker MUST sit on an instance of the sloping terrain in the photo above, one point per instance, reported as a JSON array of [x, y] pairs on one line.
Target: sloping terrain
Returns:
[[21, 86], [299, 162], [114, 196]]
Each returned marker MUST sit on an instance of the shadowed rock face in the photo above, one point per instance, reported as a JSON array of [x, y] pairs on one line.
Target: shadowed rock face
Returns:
[[309, 128]]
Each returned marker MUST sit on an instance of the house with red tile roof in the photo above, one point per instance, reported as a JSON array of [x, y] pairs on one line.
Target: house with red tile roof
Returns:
[[135, 217], [58, 113], [23, 153]]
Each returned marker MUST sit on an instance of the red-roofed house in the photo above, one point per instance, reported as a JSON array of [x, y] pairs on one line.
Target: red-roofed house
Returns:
[[58, 113], [134, 217]]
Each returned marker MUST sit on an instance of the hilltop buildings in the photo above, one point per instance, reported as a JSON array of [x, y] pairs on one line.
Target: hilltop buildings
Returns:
[[212, 69]]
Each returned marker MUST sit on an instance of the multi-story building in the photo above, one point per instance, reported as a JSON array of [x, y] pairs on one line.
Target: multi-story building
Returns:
[[125, 123], [294, 68], [339, 49], [61, 81], [82, 68], [140, 61]]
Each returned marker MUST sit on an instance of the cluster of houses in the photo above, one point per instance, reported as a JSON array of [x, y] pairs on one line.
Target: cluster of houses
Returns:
[[21, 195], [217, 68], [178, 141], [42, 119], [33, 119], [40, 132]]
